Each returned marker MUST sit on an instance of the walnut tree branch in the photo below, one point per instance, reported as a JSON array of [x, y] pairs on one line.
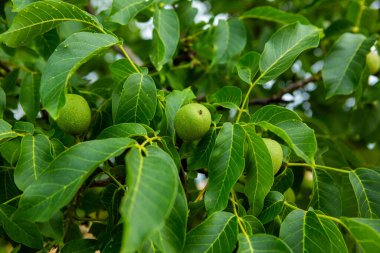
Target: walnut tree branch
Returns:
[[276, 98]]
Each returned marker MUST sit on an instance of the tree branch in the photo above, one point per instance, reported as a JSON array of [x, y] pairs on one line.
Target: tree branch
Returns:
[[291, 87]]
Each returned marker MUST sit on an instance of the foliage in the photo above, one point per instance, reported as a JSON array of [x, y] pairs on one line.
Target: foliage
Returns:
[[291, 71]]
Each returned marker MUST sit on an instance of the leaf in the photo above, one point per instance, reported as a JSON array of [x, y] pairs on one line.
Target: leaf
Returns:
[[20, 4], [138, 100], [3, 102], [218, 233], [81, 246], [284, 47], [287, 125], [171, 237], [229, 40], [228, 97], [259, 171], [121, 69], [6, 132], [253, 225], [30, 95], [305, 231], [124, 10], [20, 230], [272, 14], [366, 233], [201, 154], [58, 184], [53, 228], [248, 66], [326, 195], [8, 188], [283, 181], [40, 17], [47, 43], [345, 63], [273, 204], [152, 185], [225, 166], [34, 158], [62, 64], [365, 183], [165, 37], [262, 243], [123, 130], [174, 101]]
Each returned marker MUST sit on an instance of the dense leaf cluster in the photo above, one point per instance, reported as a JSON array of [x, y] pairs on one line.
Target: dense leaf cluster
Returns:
[[291, 71]]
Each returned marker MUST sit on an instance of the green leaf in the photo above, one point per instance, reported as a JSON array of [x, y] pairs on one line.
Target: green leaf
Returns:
[[259, 171], [201, 154], [253, 225], [248, 66], [218, 233], [8, 188], [228, 97], [165, 37], [174, 101], [30, 95], [229, 40], [273, 204], [58, 184], [3, 102], [121, 69], [284, 47], [124, 10], [6, 131], [138, 100], [65, 60], [365, 183], [47, 43], [305, 231], [20, 230], [275, 15], [34, 158], [287, 125], [53, 228], [366, 233], [123, 130], [23, 127], [81, 246], [152, 188], [326, 195], [283, 181], [225, 166], [262, 243], [171, 237], [345, 63], [20, 4], [40, 17]]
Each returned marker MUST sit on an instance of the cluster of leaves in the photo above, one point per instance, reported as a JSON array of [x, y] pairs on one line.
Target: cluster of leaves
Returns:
[[135, 185]]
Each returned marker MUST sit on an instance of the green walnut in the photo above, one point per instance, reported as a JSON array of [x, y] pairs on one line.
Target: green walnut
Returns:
[[192, 121], [275, 151], [75, 116], [290, 196], [373, 62]]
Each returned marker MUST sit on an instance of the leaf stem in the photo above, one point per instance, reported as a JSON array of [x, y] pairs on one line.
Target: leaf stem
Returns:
[[115, 180], [12, 199], [200, 195], [290, 205], [234, 201], [245, 101], [317, 166], [128, 58]]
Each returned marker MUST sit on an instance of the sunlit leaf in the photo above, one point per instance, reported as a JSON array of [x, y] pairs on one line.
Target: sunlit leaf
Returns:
[[59, 182], [226, 164], [124, 10], [262, 243], [152, 185], [63, 63], [218, 233], [272, 14]]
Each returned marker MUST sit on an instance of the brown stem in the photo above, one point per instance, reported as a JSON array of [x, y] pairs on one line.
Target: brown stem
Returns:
[[276, 98]]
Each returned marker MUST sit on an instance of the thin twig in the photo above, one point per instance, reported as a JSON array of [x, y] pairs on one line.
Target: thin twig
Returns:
[[291, 87]]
